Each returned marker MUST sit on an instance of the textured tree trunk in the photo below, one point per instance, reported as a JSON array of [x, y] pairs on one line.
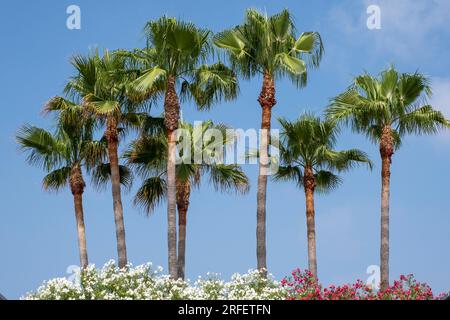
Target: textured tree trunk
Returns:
[[81, 230], [309, 185], [171, 119], [183, 194], [267, 101], [77, 186], [386, 152], [113, 144]]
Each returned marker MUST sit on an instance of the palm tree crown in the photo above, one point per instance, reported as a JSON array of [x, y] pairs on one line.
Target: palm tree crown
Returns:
[[308, 157], [148, 155], [393, 100], [264, 44], [177, 53], [307, 146], [72, 146]]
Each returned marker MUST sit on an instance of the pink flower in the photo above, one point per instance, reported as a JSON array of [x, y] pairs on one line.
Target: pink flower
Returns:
[[304, 286]]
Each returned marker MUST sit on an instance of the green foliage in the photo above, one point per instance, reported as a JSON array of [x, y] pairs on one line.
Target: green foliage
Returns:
[[72, 144], [181, 50], [148, 156], [397, 100], [263, 44], [308, 143], [101, 83]]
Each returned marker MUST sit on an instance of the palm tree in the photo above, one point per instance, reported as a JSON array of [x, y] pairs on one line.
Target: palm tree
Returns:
[[173, 65], [308, 158], [386, 108], [64, 154], [149, 155], [268, 46], [101, 85]]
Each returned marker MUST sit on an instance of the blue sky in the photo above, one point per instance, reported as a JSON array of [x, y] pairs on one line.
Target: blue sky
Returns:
[[37, 229]]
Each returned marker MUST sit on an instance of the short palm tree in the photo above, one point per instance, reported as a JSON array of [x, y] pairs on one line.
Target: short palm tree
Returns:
[[101, 85], [385, 109], [308, 158], [65, 154], [174, 66], [149, 155], [268, 46]]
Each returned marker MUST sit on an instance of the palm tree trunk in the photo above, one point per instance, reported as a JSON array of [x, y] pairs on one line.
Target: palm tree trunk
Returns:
[[77, 186], [171, 119], [386, 152], [310, 184], [113, 144], [183, 194], [267, 101], [81, 230]]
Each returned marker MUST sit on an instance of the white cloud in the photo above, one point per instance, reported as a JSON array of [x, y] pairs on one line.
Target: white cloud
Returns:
[[412, 24], [441, 101], [441, 95], [407, 26]]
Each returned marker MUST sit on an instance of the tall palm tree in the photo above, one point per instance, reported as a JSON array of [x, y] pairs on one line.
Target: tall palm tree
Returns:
[[64, 154], [173, 66], [386, 108], [101, 85], [268, 46], [308, 158], [149, 155]]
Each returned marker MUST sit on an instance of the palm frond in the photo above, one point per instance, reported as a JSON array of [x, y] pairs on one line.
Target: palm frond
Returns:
[[151, 193], [348, 159], [228, 178], [307, 144], [423, 120], [94, 152], [393, 99], [43, 149], [326, 181], [57, 179], [212, 84], [101, 176], [290, 173], [263, 44]]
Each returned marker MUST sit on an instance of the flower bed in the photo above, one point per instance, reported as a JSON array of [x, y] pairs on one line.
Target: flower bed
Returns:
[[303, 286], [144, 283]]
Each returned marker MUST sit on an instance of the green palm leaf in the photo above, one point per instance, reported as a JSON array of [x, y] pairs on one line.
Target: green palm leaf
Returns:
[[101, 176], [57, 179], [151, 193]]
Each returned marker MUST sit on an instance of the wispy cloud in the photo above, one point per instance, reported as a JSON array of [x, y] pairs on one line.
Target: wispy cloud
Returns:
[[407, 26], [441, 101], [441, 95], [412, 24]]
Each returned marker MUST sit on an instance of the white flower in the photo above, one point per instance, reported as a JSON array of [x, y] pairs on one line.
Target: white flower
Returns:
[[143, 283]]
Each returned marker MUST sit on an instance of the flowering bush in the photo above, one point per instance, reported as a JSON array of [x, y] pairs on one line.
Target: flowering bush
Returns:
[[304, 286], [144, 283], [141, 283], [407, 288]]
